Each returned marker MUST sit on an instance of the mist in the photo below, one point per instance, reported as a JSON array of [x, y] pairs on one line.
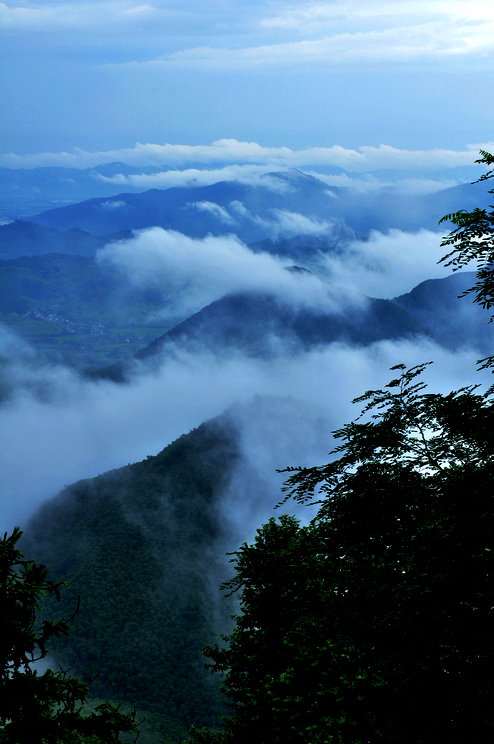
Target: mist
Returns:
[[58, 427], [79, 429], [194, 272]]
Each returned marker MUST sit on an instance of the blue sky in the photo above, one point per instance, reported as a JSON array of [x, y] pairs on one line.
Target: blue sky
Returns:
[[102, 76]]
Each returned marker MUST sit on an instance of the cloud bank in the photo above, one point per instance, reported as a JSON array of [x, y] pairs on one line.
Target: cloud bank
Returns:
[[81, 429], [353, 33], [388, 265], [237, 153], [194, 272]]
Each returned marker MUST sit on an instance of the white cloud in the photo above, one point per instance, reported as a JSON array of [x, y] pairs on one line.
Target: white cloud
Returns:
[[286, 223], [100, 17], [315, 17], [395, 45], [349, 33], [232, 151], [370, 183], [247, 173], [388, 264], [194, 272], [215, 209], [89, 428], [109, 205]]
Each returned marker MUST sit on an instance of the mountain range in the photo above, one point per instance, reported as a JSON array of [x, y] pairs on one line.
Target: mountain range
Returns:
[[144, 545], [267, 208]]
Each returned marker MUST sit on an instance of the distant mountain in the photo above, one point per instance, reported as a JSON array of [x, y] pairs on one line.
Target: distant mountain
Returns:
[[246, 210], [25, 191], [22, 238], [308, 249], [264, 210], [451, 322], [262, 325], [143, 547]]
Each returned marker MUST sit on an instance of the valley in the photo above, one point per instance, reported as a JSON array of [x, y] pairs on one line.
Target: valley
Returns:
[[164, 352]]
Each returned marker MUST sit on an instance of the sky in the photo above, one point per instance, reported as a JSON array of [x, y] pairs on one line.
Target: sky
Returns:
[[102, 76]]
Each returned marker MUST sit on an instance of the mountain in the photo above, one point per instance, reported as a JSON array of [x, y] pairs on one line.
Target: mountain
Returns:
[[143, 546], [263, 325], [308, 249], [25, 191], [274, 206], [452, 322], [246, 209], [22, 238]]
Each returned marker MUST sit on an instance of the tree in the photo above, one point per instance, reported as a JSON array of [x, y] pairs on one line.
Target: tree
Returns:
[[41, 708], [375, 621], [473, 240]]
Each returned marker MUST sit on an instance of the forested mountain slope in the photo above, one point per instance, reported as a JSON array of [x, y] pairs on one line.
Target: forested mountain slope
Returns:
[[143, 547], [263, 325]]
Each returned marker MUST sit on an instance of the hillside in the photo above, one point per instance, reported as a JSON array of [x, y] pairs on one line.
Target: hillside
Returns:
[[23, 238], [259, 211], [74, 311], [262, 325], [26, 191], [144, 548]]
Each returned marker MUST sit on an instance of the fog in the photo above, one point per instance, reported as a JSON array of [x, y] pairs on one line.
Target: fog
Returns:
[[76, 429], [57, 427], [194, 272]]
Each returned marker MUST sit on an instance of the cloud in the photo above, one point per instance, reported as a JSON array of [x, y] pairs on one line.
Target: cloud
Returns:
[[85, 428], [293, 223], [109, 205], [215, 209], [375, 47], [285, 223], [369, 183], [248, 173], [317, 17], [387, 265], [194, 272], [354, 33], [100, 17], [232, 151]]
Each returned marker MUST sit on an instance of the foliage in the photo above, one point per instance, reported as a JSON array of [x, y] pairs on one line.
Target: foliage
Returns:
[[143, 547], [373, 622], [473, 240], [41, 708]]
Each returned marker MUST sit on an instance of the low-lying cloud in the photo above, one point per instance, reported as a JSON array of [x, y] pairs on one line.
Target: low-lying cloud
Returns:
[[387, 265], [80, 429], [192, 272], [215, 209]]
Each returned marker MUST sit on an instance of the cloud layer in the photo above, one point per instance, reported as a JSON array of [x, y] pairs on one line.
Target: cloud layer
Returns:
[[280, 34], [81, 429], [194, 272], [388, 265], [238, 153]]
